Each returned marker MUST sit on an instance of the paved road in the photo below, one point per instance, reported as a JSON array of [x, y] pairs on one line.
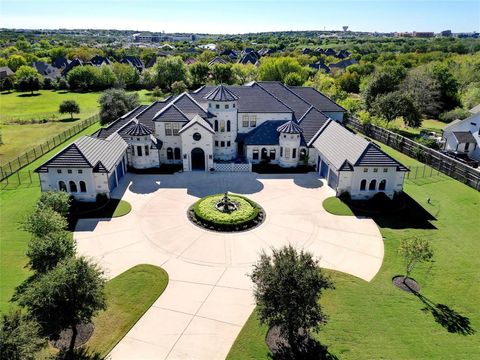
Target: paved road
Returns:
[[209, 296]]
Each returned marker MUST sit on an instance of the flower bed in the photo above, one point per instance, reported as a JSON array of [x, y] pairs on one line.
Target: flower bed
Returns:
[[205, 214]]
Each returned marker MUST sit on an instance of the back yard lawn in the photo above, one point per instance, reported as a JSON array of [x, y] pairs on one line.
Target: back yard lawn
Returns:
[[378, 321]]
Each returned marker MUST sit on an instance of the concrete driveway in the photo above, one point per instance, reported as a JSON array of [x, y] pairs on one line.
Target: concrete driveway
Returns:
[[209, 296]]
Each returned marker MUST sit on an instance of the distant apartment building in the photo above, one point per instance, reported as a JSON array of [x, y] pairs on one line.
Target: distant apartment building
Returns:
[[423, 34]]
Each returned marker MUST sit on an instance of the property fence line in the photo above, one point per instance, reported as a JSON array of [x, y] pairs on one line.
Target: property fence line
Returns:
[[33, 154], [232, 167], [430, 157], [20, 178]]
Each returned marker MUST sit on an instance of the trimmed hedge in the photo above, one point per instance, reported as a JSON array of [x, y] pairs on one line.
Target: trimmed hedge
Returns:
[[248, 214]]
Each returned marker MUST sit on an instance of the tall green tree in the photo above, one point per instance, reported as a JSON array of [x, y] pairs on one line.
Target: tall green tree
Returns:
[[169, 69], [70, 294], [115, 103], [15, 61], [83, 78], [19, 337], [424, 90], [58, 201], [28, 79], [46, 252], [447, 83], [397, 104], [199, 73], [43, 221], [380, 83], [277, 69], [222, 73], [287, 288]]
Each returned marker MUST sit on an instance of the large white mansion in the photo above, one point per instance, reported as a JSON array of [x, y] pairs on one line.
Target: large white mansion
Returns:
[[235, 125]]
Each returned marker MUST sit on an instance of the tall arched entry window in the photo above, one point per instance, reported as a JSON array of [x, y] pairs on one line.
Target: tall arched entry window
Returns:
[[382, 185], [363, 184], [169, 153], [73, 186], [264, 154], [177, 154], [62, 186], [373, 185], [228, 125], [216, 125], [83, 186]]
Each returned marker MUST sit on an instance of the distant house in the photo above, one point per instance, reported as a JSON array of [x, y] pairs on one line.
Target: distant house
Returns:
[[320, 65], [249, 58], [330, 52], [230, 53], [463, 136], [216, 60], [190, 61], [75, 62], [265, 52], [46, 70], [342, 65], [98, 60], [153, 60], [5, 71], [60, 62], [343, 54], [134, 61], [306, 51]]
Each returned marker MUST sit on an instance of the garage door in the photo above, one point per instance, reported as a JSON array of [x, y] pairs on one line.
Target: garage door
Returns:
[[323, 170], [120, 170], [332, 180], [111, 181]]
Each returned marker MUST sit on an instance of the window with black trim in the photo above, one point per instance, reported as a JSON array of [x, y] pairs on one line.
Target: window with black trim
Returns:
[[169, 153], [178, 153]]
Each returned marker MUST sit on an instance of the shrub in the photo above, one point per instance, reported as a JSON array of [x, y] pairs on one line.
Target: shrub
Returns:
[[454, 114]]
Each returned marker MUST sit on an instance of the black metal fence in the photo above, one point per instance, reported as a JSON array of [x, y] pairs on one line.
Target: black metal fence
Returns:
[[433, 158], [31, 155], [20, 178]]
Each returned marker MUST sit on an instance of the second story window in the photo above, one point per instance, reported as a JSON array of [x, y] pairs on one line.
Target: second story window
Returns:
[[175, 128], [245, 122], [168, 129], [253, 120]]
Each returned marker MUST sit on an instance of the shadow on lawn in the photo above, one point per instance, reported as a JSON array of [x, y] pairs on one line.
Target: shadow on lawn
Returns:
[[447, 317], [79, 354], [29, 95], [310, 349]]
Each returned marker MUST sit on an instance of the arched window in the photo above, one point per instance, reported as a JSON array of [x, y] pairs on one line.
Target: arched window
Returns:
[[382, 185], [216, 125], [73, 186], [222, 125], [62, 186], [363, 184], [281, 151], [264, 154], [83, 186], [177, 154], [373, 185], [228, 125], [169, 154]]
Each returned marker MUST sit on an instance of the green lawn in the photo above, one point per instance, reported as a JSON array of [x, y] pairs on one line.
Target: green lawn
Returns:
[[335, 206], [129, 296], [15, 203], [18, 138], [378, 321], [427, 125]]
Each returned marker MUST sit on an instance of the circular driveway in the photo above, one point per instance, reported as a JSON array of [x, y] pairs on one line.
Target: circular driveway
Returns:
[[209, 296]]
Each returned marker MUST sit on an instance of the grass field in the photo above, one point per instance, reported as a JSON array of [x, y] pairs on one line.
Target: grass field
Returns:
[[15, 203], [378, 321], [129, 296], [16, 107], [427, 125]]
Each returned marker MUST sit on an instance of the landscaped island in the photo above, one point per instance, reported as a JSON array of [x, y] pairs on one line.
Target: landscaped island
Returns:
[[225, 212]]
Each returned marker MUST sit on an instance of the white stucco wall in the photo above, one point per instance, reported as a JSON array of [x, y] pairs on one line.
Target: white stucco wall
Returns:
[[251, 148], [205, 143], [144, 161], [471, 124], [170, 141], [224, 152], [290, 144]]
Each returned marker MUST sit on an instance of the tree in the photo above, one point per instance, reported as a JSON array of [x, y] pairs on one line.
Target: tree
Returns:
[[19, 337], [126, 76], [15, 61], [169, 69], [287, 289], [199, 73], [448, 85], [293, 79], [70, 294], [105, 78], [415, 251], [69, 107], [222, 73], [7, 84], [58, 201], [244, 73], [46, 252], [349, 82], [28, 79], [277, 69], [83, 78], [380, 83], [424, 90], [397, 104], [115, 103], [61, 84], [43, 221], [178, 87]]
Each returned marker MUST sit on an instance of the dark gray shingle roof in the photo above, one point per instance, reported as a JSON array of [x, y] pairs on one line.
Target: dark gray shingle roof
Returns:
[[316, 98], [464, 137], [138, 130], [312, 122], [171, 113], [286, 96], [120, 122], [221, 93], [265, 134], [290, 127]]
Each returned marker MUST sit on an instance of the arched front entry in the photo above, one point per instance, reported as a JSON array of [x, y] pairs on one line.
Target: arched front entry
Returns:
[[198, 159]]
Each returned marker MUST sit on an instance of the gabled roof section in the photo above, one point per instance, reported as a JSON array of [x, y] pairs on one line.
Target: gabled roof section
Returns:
[[316, 98], [89, 152], [311, 122], [216, 60], [290, 127], [464, 137], [171, 113], [340, 145], [189, 106], [286, 96], [146, 116], [200, 121], [221, 93], [264, 134]]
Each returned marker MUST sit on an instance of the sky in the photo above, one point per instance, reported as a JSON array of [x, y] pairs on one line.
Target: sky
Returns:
[[242, 16]]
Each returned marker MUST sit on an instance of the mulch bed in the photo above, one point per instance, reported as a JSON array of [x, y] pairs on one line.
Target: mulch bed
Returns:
[[408, 284], [85, 331]]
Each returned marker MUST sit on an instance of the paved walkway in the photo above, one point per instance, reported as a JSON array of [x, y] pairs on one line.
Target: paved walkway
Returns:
[[209, 296]]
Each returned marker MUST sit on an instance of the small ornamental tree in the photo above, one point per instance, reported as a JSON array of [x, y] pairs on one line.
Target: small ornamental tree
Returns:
[[69, 107], [415, 251], [288, 285], [44, 221], [19, 337], [69, 295]]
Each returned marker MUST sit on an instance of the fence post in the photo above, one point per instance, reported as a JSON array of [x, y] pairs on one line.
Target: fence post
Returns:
[[30, 176]]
